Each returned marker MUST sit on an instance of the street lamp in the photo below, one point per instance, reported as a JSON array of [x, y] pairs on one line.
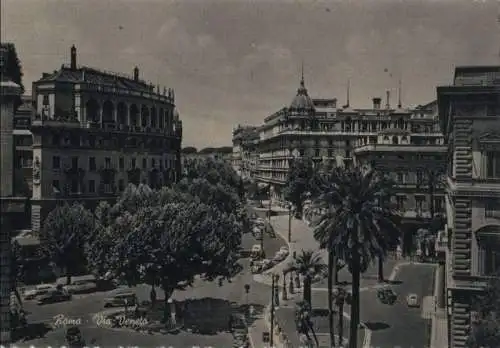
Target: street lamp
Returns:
[[289, 222], [284, 295], [274, 297], [291, 289]]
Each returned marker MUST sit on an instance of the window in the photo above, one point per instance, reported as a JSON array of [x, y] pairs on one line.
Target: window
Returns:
[[74, 162], [419, 202], [438, 204], [55, 185], [492, 208], [493, 164], [348, 154], [400, 202], [133, 163], [144, 163], [56, 140], [91, 186], [153, 162], [45, 100], [121, 184], [316, 153], [74, 186], [56, 162], [121, 163], [107, 162], [420, 177], [330, 153], [401, 178], [167, 164], [92, 164]]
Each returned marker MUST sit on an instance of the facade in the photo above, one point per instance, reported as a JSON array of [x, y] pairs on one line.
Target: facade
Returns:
[[414, 154], [94, 132], [345, 136], [9, 204], [245, 155], [470, 245]]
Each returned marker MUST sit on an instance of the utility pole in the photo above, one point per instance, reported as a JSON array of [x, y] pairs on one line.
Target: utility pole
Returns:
[[271, 334]]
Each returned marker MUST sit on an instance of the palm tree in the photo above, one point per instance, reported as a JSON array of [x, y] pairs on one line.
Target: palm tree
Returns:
[[303, 321], [340, 296], [360, 224], [308, 264]]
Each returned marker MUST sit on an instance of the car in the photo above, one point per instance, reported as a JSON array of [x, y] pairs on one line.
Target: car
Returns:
[[121, 299], [54, 296], [412, 300], [256, 251], [81, 287], [39, 290]]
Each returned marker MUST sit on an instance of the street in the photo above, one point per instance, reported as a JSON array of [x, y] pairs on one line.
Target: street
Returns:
[[83, 308]]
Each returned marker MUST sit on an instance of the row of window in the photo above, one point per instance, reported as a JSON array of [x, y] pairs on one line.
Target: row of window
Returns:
[[92, 163], [75, 187]]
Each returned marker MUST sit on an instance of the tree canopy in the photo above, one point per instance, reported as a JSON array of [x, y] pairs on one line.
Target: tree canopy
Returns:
[[13, 69]]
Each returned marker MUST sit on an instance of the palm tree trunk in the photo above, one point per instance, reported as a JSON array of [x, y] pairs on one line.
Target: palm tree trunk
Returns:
[[336, 268], [307, 290], [331, 265], [311, 327], [341, 323], [353, 330], [380, 269]]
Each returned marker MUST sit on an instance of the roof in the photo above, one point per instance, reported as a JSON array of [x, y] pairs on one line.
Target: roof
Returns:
[[95, 76], [477, 76], [302, 101]]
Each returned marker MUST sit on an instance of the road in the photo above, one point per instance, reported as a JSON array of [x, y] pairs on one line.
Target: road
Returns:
[[84, 307], [391, 326]]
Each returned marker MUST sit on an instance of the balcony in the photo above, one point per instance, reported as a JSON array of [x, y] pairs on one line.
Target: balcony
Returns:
[[40, 121], [409, 148]]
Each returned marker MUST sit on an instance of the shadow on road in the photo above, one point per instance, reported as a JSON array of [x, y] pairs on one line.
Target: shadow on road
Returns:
[[30, 332], [377, 326]]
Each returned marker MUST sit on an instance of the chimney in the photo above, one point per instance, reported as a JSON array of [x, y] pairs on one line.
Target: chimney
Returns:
[[73, 57], [136, 74], [376, 103], [388, 96]]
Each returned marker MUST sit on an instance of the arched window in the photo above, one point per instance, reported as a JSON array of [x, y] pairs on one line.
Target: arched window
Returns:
[[107, 111], [121, 114], [144, 116], [395, 140], [92, 109], [154, 122], [134, 115]]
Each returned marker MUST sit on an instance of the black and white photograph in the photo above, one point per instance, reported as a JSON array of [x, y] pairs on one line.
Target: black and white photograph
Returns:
[[250, 173]]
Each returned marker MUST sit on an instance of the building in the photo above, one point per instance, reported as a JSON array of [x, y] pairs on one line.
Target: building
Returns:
[[413, 153], [245, 155], [10, 205], [345, 136], [95, 131], [470, 121]]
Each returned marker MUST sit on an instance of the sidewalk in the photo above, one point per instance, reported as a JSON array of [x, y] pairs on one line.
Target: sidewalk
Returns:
[[439, 326]]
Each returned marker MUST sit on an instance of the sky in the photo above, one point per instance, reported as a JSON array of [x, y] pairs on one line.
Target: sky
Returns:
[[238, 61]]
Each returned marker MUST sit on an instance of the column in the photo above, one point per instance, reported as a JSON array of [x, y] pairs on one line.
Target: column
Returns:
[[5, 277]]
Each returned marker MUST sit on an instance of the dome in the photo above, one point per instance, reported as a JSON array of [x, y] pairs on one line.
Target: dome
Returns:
[[302, 100]]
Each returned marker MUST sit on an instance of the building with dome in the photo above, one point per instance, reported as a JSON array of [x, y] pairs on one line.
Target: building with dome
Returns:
[[405, 142], [94, 132]]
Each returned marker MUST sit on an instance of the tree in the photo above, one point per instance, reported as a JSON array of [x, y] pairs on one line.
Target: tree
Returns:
[[188, 150], [308, 264], [65, 230], [303, 321], [358, 222], [298, 182], [12, 69], [485, 332], [16, 269], [434, 177]]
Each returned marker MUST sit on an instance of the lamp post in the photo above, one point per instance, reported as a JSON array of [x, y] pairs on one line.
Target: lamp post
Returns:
[[291, 289], [276, 291], [284, 295], [247, 290], [289, 222], [271, 334]]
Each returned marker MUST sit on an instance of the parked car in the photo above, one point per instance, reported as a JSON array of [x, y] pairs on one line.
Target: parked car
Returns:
[[412, 300], [39, 290], [54, 296], [256, 251], [256, 267], [81, 287], [121, 299]]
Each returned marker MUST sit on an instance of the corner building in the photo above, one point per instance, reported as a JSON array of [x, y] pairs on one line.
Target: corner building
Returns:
[[401, 141], [94, 132], [470, 120]]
